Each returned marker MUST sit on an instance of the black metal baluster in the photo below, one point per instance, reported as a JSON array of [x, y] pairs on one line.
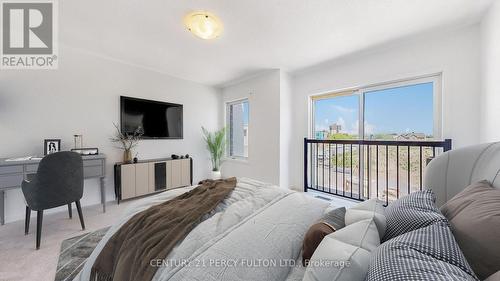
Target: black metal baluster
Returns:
[[397, 171], [408, 161], [336, 170], [386, 175], [351, 170], [368, 171], [376, 170], [329, 168], [311, 175], [420, 162], [343, 169], [306, 184], [317, 172], [323, 167], [359, 171]]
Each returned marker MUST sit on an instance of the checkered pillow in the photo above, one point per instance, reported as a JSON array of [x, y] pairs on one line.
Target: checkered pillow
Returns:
[[411, 212], [429, 253]]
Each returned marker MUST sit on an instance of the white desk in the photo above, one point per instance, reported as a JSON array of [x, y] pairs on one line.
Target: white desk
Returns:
[[12, 174]]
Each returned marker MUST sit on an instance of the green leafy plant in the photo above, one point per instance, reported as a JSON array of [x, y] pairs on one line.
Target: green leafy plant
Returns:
[[216, 144]]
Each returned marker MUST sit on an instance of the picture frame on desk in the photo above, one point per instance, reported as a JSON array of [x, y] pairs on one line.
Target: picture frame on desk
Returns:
[[86, 151], [51, 146]]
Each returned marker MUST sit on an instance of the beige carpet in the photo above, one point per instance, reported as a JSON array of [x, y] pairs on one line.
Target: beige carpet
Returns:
[[20, 261]]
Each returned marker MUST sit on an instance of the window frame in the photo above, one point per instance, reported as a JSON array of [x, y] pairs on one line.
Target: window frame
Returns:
[[361, 93], [228, 128]]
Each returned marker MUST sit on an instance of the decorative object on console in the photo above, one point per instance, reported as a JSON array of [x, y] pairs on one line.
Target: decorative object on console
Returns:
[[135, 159], [78, 139], [216, 144], [86, 151], [187, 156], [127, 141], [174, 156], [51, 146]]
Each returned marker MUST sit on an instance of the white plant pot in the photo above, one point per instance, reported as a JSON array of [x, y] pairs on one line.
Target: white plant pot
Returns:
[[216, 175]]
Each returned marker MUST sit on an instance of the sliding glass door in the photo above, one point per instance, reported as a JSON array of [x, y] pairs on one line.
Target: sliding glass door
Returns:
[[402, 111], [408, 110]]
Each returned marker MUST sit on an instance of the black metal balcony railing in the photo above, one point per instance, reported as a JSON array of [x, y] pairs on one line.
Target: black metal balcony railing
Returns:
[[364, 169]]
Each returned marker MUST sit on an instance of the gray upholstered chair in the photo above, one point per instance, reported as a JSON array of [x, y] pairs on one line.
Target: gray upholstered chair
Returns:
[[451, 172], [58, 182]]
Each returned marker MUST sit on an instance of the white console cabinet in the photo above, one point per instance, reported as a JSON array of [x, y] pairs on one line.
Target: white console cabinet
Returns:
[[151, 176]]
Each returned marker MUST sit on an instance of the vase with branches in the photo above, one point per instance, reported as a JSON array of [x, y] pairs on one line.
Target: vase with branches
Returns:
[[216, 144], [127, 141]]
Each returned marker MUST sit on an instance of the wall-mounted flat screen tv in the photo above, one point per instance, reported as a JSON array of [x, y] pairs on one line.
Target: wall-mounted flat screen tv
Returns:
[[158, 120]]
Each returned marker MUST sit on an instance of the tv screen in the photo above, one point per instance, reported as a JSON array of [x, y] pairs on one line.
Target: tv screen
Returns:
[[158, 120]]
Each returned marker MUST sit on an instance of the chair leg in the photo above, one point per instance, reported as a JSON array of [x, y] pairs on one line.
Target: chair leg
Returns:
[[27, 221], [80, 214], [70, 211], [39, 219]]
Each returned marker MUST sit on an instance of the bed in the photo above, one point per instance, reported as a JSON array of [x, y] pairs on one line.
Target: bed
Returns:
[[256, 233]]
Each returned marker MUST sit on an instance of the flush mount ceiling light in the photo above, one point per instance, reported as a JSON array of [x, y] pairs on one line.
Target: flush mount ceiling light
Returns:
[[203, 24]]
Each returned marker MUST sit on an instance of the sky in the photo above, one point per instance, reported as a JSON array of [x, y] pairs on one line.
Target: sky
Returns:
[[396, 110], [246, 113]]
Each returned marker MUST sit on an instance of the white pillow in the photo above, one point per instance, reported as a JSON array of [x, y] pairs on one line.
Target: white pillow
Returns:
[[372, 208], [344, 254]]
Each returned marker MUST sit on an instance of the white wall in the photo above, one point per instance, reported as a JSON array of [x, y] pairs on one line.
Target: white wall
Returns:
[[456, 55], [82, 96], [490, 73], [286, 117], [263, 93]]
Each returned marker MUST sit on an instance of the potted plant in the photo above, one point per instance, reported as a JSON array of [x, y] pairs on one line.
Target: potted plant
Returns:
[[216, 143], [127, 141]]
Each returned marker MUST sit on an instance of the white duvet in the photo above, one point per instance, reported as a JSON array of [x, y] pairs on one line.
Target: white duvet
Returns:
[[256, 233]]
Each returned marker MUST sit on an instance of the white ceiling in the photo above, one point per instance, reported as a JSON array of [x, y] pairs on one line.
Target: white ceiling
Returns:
[[258, 34]]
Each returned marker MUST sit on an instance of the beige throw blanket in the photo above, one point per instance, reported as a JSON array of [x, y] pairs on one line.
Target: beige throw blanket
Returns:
[[152, 233]]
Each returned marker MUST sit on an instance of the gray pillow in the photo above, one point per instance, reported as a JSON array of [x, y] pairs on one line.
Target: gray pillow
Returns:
[[344, 254], [494, 277], [474, 216], [411, 212], [428, 253], [331, 221], [335, 218], [372, 208]]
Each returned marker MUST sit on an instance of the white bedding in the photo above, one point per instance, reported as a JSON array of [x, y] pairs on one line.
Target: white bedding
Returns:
[[254, 234]]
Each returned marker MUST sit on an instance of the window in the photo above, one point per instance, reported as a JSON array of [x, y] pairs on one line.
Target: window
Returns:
[[336, 117], [237, 125], [403, 111], [406, 110]]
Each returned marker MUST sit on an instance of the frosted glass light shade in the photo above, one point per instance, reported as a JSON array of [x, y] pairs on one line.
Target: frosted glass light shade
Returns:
[[203, 24]]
